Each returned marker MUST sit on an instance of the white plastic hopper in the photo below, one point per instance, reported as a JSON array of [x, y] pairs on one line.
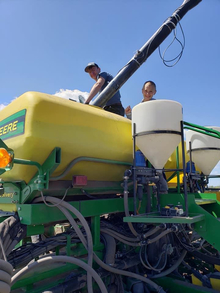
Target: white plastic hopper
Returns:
[[157, 129], [205, 149]]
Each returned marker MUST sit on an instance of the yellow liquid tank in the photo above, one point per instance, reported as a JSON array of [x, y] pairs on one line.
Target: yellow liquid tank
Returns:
[[35, 123]]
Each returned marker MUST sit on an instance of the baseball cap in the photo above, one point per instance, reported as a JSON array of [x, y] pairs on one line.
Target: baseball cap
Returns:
[[91, 64]]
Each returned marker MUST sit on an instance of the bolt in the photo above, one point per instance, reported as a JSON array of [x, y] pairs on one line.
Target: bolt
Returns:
[[19, 208], [21, 218]]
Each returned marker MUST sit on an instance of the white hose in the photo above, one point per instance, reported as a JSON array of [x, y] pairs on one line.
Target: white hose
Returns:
[[80, 235], [64, 207], [97, 259], [87, 243], [6, 271]]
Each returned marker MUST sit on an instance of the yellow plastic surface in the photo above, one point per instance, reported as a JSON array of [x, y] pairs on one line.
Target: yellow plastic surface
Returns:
[[196, 281], [78, 129], [215, 281], [217, 267], [9, 207]]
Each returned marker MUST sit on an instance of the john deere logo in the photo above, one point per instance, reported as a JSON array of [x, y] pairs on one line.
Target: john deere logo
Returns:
[[13, 125]]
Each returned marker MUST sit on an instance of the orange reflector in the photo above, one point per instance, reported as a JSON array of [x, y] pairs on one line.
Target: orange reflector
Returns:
[[5, 158]]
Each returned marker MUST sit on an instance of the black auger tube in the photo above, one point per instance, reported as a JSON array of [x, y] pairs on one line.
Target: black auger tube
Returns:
[[141, 56]]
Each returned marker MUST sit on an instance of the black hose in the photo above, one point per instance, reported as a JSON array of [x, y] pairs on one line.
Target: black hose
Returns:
[[110, 249], [171, 269], [138, 287], [208, 259], [11, 232]]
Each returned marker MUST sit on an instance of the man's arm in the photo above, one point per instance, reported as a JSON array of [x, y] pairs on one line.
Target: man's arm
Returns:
[[95, 89]]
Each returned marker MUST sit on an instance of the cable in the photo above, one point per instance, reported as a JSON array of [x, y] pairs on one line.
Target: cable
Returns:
[[106, 230], [55, 205], [203, 278], [162, 234], [178, 57], [23, 255], [128, 274], [67, 259], [171, 269], [149, 266], [121, 239], [110, 249], [151, 232]]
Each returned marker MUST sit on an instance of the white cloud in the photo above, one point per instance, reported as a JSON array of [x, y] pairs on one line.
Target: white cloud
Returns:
[[2, 106], [75, 95], [216, 170]]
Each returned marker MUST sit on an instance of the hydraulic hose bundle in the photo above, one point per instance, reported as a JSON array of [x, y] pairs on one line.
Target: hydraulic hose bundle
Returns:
[[11, 231], [65, 208], [6, 271]]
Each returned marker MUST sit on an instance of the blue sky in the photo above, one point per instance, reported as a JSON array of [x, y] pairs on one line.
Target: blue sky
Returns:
[[45, 45]]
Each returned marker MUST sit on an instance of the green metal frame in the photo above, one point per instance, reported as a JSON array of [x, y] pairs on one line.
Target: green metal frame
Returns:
[[204, 211], [39, 214], [202, 218]]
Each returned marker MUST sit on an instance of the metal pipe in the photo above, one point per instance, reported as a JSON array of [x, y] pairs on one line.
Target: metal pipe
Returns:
[[148, 210], [88, 159], [134, 169], [202, 129], [31, 163], [126, 207], [178, 172], [184, 171], [190, 156]]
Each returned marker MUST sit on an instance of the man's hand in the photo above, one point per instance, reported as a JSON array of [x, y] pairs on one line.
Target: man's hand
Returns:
[[128, 110]]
